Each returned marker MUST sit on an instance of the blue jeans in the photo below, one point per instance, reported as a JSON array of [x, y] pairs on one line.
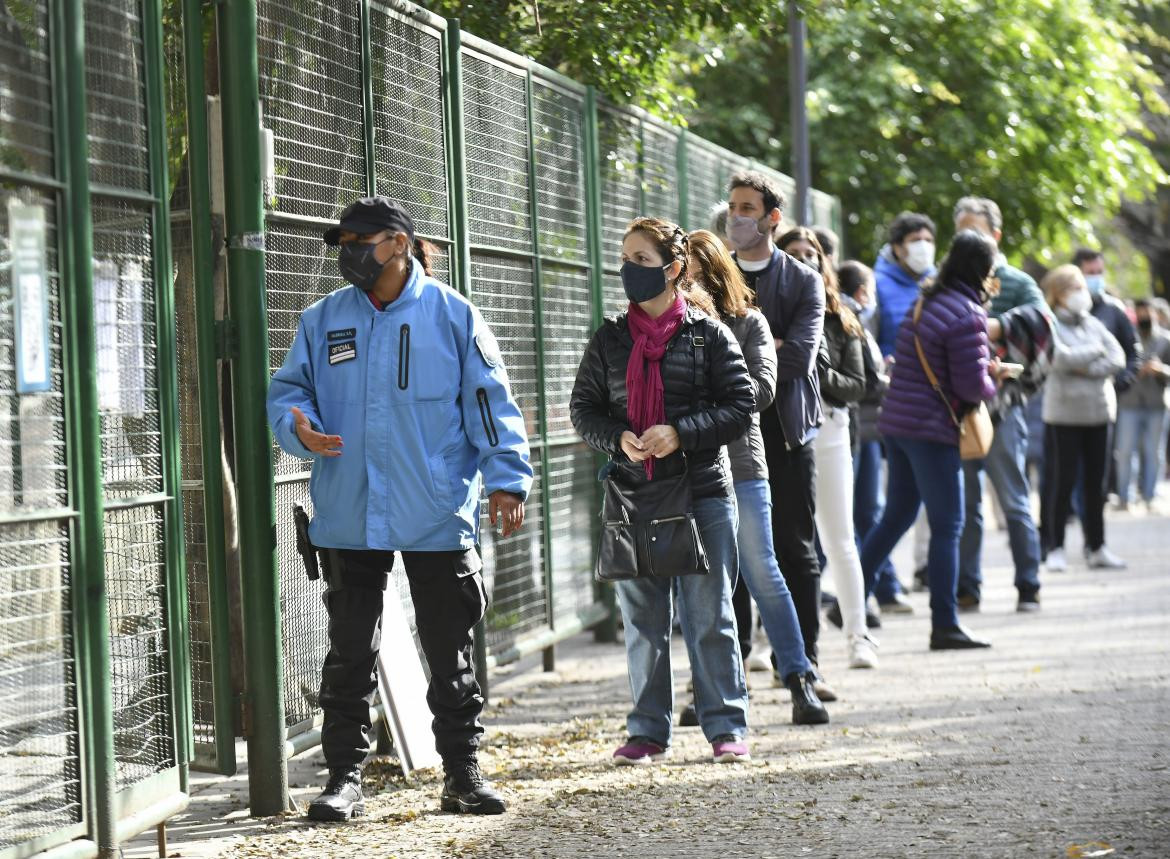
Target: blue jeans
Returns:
[[708, 627], [922, 472], [868, 504], [761, 573], [1006, 468], [1140, 432]]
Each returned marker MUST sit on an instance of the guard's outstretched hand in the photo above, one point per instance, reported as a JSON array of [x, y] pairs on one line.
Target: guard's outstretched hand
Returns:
[[326, 445], [508, 508]]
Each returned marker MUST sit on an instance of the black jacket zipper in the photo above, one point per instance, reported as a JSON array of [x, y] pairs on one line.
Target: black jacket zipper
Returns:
[[404, 358], [485, 415]]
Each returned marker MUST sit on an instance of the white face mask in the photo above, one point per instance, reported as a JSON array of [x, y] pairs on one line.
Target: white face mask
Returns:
[[1078, 302], [920, 255]]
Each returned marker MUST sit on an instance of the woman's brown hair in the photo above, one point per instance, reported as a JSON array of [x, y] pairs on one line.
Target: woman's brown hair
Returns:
[[671, 242], [833, 303], [719, 274]]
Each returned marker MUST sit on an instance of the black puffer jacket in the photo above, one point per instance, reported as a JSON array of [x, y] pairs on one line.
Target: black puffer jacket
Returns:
[[708, 393], [842, 375]]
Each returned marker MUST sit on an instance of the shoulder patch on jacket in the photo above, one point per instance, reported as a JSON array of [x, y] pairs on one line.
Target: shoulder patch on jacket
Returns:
[[489, 348]]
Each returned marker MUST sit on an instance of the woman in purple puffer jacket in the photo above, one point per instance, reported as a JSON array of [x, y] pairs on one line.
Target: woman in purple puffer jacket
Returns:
[[921, 439]]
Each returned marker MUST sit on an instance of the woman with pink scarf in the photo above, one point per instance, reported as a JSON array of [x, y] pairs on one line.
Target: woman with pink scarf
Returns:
[[661, 389]]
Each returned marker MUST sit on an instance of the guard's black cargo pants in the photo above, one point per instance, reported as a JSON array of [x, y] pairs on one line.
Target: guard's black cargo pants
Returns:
[[449, 599]]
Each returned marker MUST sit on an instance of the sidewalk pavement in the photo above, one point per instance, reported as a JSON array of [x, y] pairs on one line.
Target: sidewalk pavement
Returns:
[[1051, 744]]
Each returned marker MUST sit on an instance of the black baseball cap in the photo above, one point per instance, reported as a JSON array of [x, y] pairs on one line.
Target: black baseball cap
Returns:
[[371, 215]]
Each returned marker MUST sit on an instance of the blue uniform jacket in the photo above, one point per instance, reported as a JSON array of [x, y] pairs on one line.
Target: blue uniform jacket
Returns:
[[419, 395]]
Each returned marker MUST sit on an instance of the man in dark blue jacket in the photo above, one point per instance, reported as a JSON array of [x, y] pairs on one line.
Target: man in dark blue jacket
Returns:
[[792, 298]]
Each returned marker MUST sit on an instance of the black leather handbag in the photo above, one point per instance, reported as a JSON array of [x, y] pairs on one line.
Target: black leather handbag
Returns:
[[648, 530]]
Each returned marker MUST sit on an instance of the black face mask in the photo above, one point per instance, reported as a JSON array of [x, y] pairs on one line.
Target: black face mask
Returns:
[[643, 282], [1145, 325], [358, 265]]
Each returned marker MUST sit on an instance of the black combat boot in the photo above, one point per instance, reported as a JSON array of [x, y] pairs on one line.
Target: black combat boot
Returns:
[[465, 791], [807, 708], [342, 797]]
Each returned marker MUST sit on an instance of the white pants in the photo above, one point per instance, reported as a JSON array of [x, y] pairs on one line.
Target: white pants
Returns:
[[835, 517]]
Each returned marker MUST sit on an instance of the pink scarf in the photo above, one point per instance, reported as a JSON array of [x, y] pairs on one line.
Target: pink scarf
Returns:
[[645, 397]]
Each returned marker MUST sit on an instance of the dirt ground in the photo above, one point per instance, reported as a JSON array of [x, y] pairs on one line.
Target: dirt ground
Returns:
[[1051, 744]]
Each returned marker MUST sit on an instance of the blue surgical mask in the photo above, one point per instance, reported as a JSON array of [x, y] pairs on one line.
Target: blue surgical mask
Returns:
[[643, 282], [1096, 284], [358, 265]]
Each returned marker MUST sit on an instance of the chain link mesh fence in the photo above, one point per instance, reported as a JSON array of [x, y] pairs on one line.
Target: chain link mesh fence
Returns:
[[129, 399], [41, 788]]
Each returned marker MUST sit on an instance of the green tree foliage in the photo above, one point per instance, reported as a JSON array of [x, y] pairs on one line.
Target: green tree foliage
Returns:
[[626, 48], [1035, 103]]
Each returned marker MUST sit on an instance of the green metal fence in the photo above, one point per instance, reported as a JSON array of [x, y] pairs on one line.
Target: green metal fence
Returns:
[[526, 183], [152, 272], [94, 695]]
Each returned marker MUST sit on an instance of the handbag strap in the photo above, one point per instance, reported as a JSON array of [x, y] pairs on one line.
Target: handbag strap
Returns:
[[931, 377]]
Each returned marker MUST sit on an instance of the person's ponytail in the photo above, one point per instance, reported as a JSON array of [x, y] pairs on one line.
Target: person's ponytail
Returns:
[[424, 251]]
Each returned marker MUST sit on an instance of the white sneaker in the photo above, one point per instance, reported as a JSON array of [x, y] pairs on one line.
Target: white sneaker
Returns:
[[1056, 562], [862, 652], [759, 661], [1103, 559]]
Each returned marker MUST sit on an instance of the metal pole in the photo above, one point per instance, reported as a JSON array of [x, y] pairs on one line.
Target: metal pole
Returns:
[[797, 86], [368, 101], [178, 630], [607, 629], [203, 265], [264, 697], [461, 245], [460, 240], [541, 403], [89, 598]]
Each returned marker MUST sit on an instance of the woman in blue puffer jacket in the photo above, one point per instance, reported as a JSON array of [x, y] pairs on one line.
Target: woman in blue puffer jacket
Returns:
[[921, 438]]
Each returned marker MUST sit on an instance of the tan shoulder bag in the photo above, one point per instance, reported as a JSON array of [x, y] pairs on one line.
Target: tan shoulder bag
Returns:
[[975, 429]]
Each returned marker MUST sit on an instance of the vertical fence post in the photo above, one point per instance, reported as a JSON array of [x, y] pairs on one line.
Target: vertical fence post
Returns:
[[798, 110], [368, 101], [541, 404], [607, 629], [264, 698], [91, 619], [642, 167], [682, 167], [460, 238], [203, 266], [178, 630]]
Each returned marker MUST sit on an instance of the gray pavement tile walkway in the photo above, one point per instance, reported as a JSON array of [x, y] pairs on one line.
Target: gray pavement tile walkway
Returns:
[[1052, 744]]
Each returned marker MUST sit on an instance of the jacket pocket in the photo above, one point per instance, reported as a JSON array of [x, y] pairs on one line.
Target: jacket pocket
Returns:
[[442, 484], [404, 357], [485, 415]]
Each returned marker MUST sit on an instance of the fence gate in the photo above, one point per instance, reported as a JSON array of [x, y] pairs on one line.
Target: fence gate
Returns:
[[94, 731]]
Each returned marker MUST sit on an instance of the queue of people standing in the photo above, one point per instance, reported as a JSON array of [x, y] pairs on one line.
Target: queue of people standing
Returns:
[[748, 379], [852, 371]]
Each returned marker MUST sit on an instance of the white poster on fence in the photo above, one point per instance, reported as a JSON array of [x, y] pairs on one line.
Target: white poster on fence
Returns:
[[121, 338], [132, 341], [30, 290], [105, 312]]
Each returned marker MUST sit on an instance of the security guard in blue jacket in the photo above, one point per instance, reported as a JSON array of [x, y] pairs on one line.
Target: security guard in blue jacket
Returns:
[[396, 389]]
